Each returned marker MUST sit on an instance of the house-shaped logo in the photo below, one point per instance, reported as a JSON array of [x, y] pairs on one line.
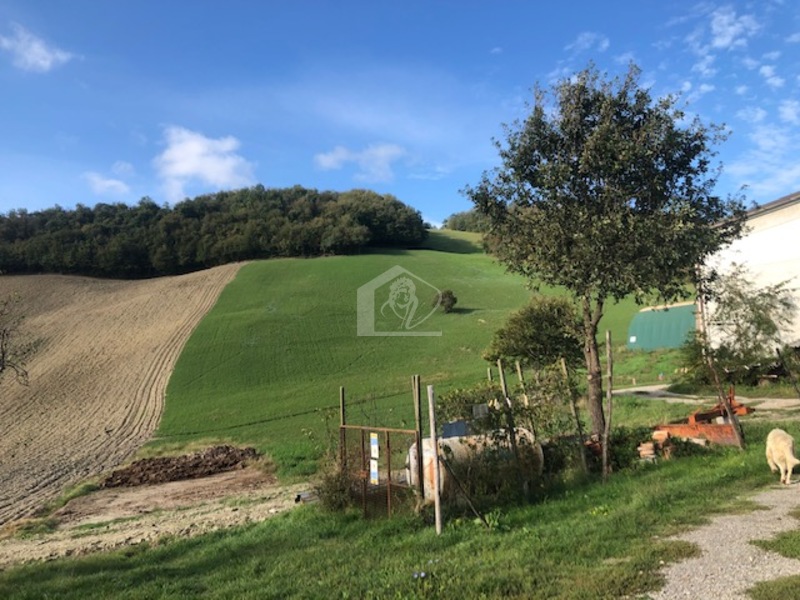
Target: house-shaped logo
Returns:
[[395, 303]]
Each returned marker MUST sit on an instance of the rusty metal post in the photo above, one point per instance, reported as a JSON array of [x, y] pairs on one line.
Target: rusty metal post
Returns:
[[342, 433], [417, 390], [364, 472], [388, 474]]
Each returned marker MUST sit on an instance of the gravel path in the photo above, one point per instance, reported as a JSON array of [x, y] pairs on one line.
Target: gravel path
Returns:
[[729, 564]]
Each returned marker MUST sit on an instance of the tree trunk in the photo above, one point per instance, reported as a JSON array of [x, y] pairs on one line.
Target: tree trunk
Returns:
[[591, 319]]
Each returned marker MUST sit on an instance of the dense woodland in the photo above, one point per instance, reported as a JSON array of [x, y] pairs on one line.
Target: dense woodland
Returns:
[[146, 240]]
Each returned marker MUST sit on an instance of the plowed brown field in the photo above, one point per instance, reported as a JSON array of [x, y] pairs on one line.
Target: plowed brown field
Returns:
[[105, 350]]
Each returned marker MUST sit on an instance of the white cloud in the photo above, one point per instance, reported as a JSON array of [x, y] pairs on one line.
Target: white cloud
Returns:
[[750, 63], [794, 38], [770, 139], [701, 90], [431, 174], [730, 31], [741, 90], [774, 55], [704, 66], [192, 157], [31, 53], [588, 40], [768, 73], [789, 111], [103, 186], [335, 159], [122, 168], [769, 168], [752, 114], [625, 58], [374, 162], [496, 50]]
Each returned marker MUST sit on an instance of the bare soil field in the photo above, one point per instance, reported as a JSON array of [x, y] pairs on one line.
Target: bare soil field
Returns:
[[212, 489], [104, 351]]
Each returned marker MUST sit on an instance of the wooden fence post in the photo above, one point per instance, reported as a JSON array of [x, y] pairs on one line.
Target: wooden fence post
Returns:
[[437, 500], [512, 433]]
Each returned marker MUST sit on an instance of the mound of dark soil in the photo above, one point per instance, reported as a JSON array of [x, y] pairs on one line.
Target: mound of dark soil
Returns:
[[173, 468]]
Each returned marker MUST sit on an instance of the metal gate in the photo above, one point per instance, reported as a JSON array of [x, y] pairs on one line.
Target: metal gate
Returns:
[[375, 461]]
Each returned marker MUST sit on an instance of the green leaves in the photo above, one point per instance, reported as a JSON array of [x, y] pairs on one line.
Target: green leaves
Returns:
[[609, 193]]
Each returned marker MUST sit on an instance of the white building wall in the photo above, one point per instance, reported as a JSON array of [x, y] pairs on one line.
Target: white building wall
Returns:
[[770, 250]]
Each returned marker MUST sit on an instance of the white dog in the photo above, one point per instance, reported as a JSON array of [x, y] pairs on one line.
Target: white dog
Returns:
[[780, 454]]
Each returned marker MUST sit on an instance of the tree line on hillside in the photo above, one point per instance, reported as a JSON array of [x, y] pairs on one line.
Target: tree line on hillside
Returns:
[[146, 240], [468, 220]]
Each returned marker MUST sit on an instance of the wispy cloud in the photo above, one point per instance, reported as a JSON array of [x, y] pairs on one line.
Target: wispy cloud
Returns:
[[789, 111], [31, 53], [589, 40], [105, 186], [725, 31], [752, 114], [496, 50], [768, 73], [731, 31], [768, 168], [794, 38], [625, 58], [191, 157], [122, 168], [699, 91], [750, 63], [374, 162], [704, 66]]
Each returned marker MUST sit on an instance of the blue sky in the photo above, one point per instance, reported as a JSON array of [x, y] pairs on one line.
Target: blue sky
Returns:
[[111, 101]]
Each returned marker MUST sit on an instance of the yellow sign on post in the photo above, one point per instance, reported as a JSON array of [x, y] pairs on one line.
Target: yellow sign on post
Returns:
[[373, 472]]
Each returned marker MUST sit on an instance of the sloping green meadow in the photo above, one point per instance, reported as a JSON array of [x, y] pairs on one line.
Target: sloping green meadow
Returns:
[[265, 365]]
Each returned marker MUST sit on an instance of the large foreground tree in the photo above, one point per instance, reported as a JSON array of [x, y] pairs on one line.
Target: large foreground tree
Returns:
[[607, 192]]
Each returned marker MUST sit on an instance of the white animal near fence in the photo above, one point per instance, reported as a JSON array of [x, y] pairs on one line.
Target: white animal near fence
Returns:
[[462, 448], [780, 454]]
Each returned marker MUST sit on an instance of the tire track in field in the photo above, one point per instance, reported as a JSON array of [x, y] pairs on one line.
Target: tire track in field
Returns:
[[98, 378], [150, 395]]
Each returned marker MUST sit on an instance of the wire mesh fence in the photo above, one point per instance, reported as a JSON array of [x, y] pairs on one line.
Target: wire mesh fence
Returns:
[[375, 460]]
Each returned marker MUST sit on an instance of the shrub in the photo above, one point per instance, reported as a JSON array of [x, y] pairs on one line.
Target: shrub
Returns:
[[335, 488], [446, 299]]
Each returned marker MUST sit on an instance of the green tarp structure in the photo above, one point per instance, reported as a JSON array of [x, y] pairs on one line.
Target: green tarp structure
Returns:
[[658, 327]]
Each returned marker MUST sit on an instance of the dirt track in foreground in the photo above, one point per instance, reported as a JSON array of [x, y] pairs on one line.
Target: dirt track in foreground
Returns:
[[105, 350], [114, 518]]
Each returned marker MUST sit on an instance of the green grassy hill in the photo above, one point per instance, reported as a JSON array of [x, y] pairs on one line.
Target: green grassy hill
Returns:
[[269, 358]]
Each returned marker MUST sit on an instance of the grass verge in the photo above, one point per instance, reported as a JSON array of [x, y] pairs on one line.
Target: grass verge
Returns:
[[583, 540]]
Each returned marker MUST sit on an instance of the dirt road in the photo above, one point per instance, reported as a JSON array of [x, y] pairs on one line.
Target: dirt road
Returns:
[[105, 350]]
